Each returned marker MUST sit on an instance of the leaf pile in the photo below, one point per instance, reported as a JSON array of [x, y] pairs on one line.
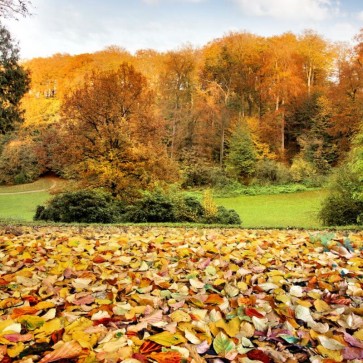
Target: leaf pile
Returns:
[[107, 294]]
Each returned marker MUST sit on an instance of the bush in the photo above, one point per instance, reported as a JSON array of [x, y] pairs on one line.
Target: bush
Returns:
[[271, 172], [341, 207], [301, 170], [96, 206], [203, 175], [153, 207], [223, 216], [173, 206], [83, 206]]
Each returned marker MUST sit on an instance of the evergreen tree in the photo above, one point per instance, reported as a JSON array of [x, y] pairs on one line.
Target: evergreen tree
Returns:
[[241, 158], [14, 82]]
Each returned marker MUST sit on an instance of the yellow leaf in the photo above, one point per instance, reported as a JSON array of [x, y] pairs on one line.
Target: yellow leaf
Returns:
[[179, 316], [358, 334], [50, 327], [167, 339], [5, 323], [305, 303], [44, 305], [15, 350], [231, 328], [247, 329], [331, 344], [321, 306], [85, 340], [331, 354], [31, 321], [242, 285], [213, 328]]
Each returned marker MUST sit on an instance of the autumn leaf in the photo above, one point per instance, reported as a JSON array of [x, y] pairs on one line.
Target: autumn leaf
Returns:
[[166, 357], [167, 339]]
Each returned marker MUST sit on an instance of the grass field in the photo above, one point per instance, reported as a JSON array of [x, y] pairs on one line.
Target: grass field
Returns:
[[260, 211], [281, 210], [21, 207], [19, 202]]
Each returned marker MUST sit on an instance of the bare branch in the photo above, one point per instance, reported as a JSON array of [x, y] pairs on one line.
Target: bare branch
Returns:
[[14, 8]]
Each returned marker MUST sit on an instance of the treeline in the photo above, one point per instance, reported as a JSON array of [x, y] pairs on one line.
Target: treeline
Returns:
[[242, 107]]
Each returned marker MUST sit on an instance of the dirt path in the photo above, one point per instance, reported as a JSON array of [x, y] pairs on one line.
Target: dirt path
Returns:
[[53, 185]]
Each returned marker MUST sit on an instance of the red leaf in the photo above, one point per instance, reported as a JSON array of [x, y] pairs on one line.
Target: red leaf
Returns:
[[257, 354], [253, 312], [148, 346], [32, 299], [6, 359], [57, 336], [98, 259], [140, 357], [167, 357]]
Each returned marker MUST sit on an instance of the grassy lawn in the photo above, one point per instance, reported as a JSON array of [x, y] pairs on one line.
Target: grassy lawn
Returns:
[[21, 207], [258, 211], [281, 210]]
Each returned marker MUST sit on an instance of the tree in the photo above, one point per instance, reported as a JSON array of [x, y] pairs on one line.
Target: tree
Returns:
[[177, 87], [14, 83], [14, 8], [344, 203], [113, 133], [241, 158]]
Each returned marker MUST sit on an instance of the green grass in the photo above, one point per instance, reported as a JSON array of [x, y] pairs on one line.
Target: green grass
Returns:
[[281, 210], [258, 211], [21, 207]]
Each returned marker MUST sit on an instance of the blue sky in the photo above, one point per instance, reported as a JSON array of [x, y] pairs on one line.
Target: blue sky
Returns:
[[80, 26]]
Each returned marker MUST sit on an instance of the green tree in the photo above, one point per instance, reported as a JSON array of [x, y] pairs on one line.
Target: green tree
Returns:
[[14, 82], [344, 204], [241, 158], [357, 164]]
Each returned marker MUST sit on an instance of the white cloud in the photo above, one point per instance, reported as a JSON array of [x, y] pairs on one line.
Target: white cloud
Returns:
[[360, 16], [315, 10]]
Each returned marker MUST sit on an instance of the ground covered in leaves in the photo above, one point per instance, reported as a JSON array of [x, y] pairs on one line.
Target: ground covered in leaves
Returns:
[[107, 294]]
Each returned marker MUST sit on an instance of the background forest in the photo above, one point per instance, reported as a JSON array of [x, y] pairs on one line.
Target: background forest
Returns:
[[242, 110]]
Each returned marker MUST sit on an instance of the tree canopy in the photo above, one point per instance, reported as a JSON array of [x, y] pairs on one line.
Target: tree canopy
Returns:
[[14, 82]]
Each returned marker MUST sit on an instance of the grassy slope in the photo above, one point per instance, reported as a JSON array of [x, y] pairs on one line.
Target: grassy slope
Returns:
[[282, 210]]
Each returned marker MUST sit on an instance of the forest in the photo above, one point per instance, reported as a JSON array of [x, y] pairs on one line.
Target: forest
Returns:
[[241, 110]]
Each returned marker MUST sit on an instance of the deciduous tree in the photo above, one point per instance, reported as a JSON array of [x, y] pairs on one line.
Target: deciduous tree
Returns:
[[115, 135]]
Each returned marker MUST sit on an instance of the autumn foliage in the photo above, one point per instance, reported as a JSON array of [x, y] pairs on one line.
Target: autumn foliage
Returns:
[[239, 104]]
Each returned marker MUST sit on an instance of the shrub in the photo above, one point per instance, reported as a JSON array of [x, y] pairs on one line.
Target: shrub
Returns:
[[83, 206], [223, 216], [271, 172], [96, 206], [187, 208], [341, 207], [153, 207], [203, 175], [301, 170]]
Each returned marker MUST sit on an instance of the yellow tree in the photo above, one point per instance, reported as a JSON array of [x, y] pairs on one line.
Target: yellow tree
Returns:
[[316, 57], [281, 82], [177, 85], [114, 133]]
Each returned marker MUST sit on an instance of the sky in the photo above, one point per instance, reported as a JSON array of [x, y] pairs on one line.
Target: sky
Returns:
[[86, 26]]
